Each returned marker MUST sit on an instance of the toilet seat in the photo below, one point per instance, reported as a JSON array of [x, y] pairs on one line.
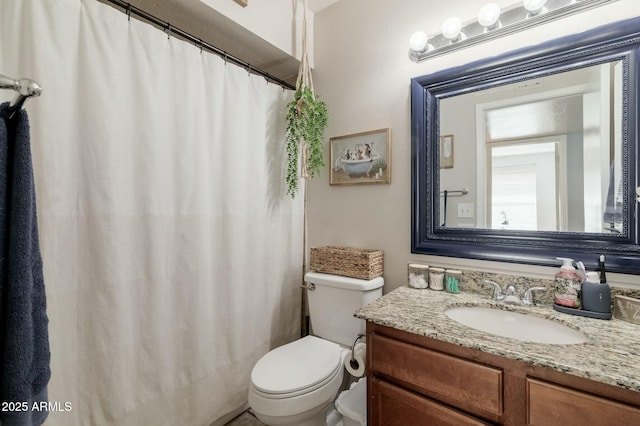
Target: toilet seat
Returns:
[[296, 368]]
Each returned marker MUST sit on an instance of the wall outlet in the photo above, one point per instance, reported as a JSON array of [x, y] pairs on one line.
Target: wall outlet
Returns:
[[465, 209]]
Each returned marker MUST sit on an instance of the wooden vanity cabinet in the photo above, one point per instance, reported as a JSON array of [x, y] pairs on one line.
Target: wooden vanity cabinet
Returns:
[[415, 380]]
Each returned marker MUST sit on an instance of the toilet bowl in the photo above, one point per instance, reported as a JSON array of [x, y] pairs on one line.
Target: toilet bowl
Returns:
[[295, 383]]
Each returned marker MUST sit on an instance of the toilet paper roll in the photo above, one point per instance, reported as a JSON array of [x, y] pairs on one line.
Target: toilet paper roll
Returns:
[[354, 361]]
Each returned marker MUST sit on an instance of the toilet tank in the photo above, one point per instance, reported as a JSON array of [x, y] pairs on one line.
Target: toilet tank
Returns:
[[333, 302]]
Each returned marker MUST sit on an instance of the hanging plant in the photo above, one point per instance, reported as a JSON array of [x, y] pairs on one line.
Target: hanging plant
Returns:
[[306, 123], [307, 120]]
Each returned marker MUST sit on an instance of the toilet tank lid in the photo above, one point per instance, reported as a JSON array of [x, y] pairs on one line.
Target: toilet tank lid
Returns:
[[349, 283]]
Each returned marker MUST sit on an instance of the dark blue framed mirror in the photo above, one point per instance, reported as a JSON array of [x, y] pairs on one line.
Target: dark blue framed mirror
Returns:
[[533, 154]]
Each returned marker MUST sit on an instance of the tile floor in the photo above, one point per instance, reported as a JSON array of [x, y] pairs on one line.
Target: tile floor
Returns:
[[245, 419]]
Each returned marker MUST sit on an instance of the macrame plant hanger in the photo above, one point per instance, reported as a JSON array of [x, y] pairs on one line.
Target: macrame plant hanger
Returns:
[[304, 80]]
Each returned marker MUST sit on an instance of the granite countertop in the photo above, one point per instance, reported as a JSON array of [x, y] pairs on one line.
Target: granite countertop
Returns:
[[611, 354]]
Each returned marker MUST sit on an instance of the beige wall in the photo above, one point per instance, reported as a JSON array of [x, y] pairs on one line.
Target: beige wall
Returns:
[[363, 72]]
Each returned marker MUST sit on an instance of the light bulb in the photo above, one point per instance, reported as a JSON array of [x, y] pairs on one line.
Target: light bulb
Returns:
[[451, 28], [534, 6], [489, 15], [418, 41]]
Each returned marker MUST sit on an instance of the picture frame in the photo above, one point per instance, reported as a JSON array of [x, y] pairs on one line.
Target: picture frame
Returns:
[[361, 158], [446, 152]]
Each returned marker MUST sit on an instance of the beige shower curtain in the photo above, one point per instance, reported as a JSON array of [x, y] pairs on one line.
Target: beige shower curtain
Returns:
[[171, 253]]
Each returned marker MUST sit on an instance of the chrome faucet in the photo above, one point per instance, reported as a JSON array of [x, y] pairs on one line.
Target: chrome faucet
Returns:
[[510, 294]]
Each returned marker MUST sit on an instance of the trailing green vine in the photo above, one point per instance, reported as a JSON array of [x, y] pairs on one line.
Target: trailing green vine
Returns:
[[307, 120]]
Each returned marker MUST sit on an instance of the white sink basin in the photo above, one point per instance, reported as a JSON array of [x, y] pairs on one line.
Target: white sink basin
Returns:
[[526, 328]]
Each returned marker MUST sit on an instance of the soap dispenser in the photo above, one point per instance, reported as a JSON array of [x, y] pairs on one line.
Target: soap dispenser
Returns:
[[596, 296], [568, 285]]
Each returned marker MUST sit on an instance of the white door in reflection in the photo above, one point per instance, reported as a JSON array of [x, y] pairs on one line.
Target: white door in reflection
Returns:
[[526, 187]]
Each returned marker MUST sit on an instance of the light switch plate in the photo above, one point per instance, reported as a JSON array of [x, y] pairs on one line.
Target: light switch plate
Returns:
[[465, 209]]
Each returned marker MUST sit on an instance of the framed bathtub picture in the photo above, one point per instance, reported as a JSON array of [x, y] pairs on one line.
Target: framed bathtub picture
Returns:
[[361, 158], [446, 152]]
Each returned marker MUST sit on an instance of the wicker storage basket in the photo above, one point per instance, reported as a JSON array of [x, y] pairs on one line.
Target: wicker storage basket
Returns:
[[352, 262]]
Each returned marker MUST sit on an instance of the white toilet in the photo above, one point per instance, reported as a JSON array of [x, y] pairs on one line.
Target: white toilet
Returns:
[[295, 383]]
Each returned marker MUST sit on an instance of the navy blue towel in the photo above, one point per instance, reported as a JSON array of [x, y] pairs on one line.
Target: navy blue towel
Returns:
[[24, 336]]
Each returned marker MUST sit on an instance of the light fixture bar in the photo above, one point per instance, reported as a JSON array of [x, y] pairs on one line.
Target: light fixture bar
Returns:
[[512, 19]]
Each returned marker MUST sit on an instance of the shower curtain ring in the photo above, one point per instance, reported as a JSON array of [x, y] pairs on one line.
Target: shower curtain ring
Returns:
[[129, 12], [168, 31]]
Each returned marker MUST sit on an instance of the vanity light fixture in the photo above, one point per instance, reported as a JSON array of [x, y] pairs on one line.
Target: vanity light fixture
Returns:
[[419, 42], [489, 17], [452, 30], [492, 23], [534, 7]]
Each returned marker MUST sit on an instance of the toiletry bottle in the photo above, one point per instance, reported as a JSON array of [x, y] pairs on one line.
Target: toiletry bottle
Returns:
[[596, 296], [568, 285]]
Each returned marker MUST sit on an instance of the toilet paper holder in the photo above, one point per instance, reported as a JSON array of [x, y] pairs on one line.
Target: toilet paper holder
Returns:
[[353, 362]]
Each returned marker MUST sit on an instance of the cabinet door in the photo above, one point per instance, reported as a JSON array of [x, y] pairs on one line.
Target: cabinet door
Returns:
[[469, 386], [390, 405], [549, 404]]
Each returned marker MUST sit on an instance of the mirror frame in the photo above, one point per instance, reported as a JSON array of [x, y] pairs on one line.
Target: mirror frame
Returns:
[[617, 41]]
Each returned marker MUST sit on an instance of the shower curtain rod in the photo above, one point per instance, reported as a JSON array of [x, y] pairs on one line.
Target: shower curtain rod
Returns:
[[128, 9], [25, 87]]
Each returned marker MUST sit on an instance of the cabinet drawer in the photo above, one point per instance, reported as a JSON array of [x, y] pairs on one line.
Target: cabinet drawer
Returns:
[[473, 387], [549, 405], [393, 406]]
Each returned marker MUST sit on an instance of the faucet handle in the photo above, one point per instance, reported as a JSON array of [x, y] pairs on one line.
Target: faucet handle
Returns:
[[497, 290], [527, 299]]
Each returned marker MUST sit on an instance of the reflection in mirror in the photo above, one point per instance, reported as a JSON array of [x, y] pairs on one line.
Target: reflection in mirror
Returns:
[[523, 191], [544, 154]]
